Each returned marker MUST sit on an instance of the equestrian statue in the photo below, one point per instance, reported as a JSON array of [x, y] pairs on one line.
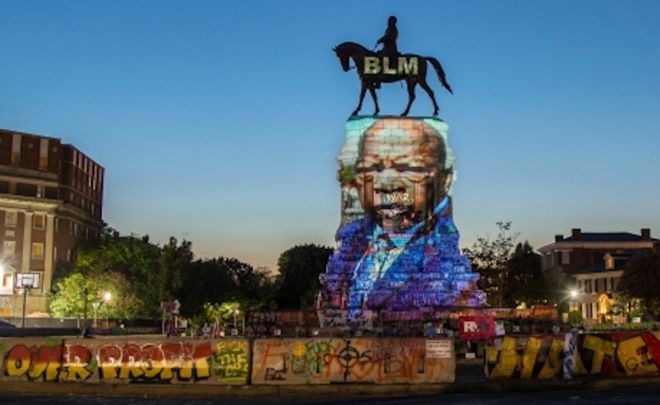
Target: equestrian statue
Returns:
[[389, 66]]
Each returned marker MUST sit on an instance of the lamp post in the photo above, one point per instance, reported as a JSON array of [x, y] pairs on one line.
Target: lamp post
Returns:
[[574, 295], [95, 306], [85, 307], [107, 296]]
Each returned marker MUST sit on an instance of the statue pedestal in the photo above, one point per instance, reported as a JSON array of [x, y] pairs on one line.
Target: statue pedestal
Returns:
[[397, 246]]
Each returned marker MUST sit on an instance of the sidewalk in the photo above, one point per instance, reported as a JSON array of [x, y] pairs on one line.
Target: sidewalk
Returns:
[[146, 390]]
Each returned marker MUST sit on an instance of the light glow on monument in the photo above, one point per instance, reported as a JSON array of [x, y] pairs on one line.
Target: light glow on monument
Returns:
[[397, 246]]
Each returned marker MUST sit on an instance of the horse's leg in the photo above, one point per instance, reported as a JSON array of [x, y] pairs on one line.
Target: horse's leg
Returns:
[[411, 95], [372, 91], [428, 90], [362, 93]]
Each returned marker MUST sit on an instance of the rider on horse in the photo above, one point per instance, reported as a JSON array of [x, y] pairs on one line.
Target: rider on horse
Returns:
[[389, 39], [389, 42]]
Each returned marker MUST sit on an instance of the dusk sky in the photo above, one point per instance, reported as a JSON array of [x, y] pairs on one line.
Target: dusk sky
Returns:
[[220, 122]]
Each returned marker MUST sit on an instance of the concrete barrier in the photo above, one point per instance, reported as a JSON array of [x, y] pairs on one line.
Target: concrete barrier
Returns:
[[295, 361], [334, 360], [221, 361], [611, 354]]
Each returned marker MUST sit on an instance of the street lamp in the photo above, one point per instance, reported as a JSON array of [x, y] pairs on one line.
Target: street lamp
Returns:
[[107, 296], [574, 295], [95, 305]]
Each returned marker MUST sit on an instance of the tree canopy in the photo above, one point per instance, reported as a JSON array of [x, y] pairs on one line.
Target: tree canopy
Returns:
[[297, 283], [525, 282], [140, 275], [641, 280], [510, 276], [490, 258]]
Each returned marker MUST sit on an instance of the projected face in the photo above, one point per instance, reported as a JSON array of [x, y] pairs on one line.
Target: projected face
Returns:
[[400, 173]]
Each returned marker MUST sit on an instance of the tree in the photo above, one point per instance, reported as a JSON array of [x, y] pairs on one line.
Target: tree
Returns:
[[135, 258], [174, 262], [641, 280], [71, 294], [215, 281], [525, 282], [297, 284], [490, 259]]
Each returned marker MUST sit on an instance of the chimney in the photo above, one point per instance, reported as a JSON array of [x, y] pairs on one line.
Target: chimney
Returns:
[[559, 238], [576, 233], [646, 234]]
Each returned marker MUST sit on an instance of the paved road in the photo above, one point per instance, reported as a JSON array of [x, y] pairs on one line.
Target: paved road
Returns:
[[579, 397]]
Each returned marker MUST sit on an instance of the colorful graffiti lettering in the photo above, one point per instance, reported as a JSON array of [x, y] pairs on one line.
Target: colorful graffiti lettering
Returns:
[[545, 357], [60, 362], [165, 361], [230, 360]]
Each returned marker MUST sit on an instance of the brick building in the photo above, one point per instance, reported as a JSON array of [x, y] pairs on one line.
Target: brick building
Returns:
[[51, 202], [593, 264]]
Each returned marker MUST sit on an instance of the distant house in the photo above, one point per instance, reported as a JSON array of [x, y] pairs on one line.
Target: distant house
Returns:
[[594, 262]]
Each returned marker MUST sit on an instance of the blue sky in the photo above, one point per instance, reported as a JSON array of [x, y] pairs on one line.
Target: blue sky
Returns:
[[220, 121]]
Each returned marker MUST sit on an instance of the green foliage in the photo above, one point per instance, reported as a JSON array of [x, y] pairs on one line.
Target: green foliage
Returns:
[[73, 292], [575, 317], [297, 284], [146, 274], [347, 175], [136, 259], [511, 276], [641, 280], [212, 282], [525, 282], [174, 262], [490, 259]]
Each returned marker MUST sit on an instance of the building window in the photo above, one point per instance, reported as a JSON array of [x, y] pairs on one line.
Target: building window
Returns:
[[7, 281], [68, 255], [9, 249], [609, 261], [587, 286], [39, 221], [580, 286], [37, 251], [10, 219], [565, 257], [41, 191]]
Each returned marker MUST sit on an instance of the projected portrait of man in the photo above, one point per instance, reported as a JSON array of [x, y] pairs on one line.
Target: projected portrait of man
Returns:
[[401, 253], [401, 174]]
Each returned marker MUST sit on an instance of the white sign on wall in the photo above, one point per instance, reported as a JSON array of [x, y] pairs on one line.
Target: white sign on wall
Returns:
[[438, 349]]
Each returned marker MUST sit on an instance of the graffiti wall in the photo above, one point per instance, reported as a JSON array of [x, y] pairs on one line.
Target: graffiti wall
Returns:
[[157, 360], [373, 360], [616, 354]]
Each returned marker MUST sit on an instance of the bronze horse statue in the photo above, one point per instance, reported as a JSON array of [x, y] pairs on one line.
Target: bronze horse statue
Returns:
[[371, 75]]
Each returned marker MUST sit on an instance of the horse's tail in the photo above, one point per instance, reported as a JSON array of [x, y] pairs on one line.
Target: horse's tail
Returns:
[[440, 72]]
